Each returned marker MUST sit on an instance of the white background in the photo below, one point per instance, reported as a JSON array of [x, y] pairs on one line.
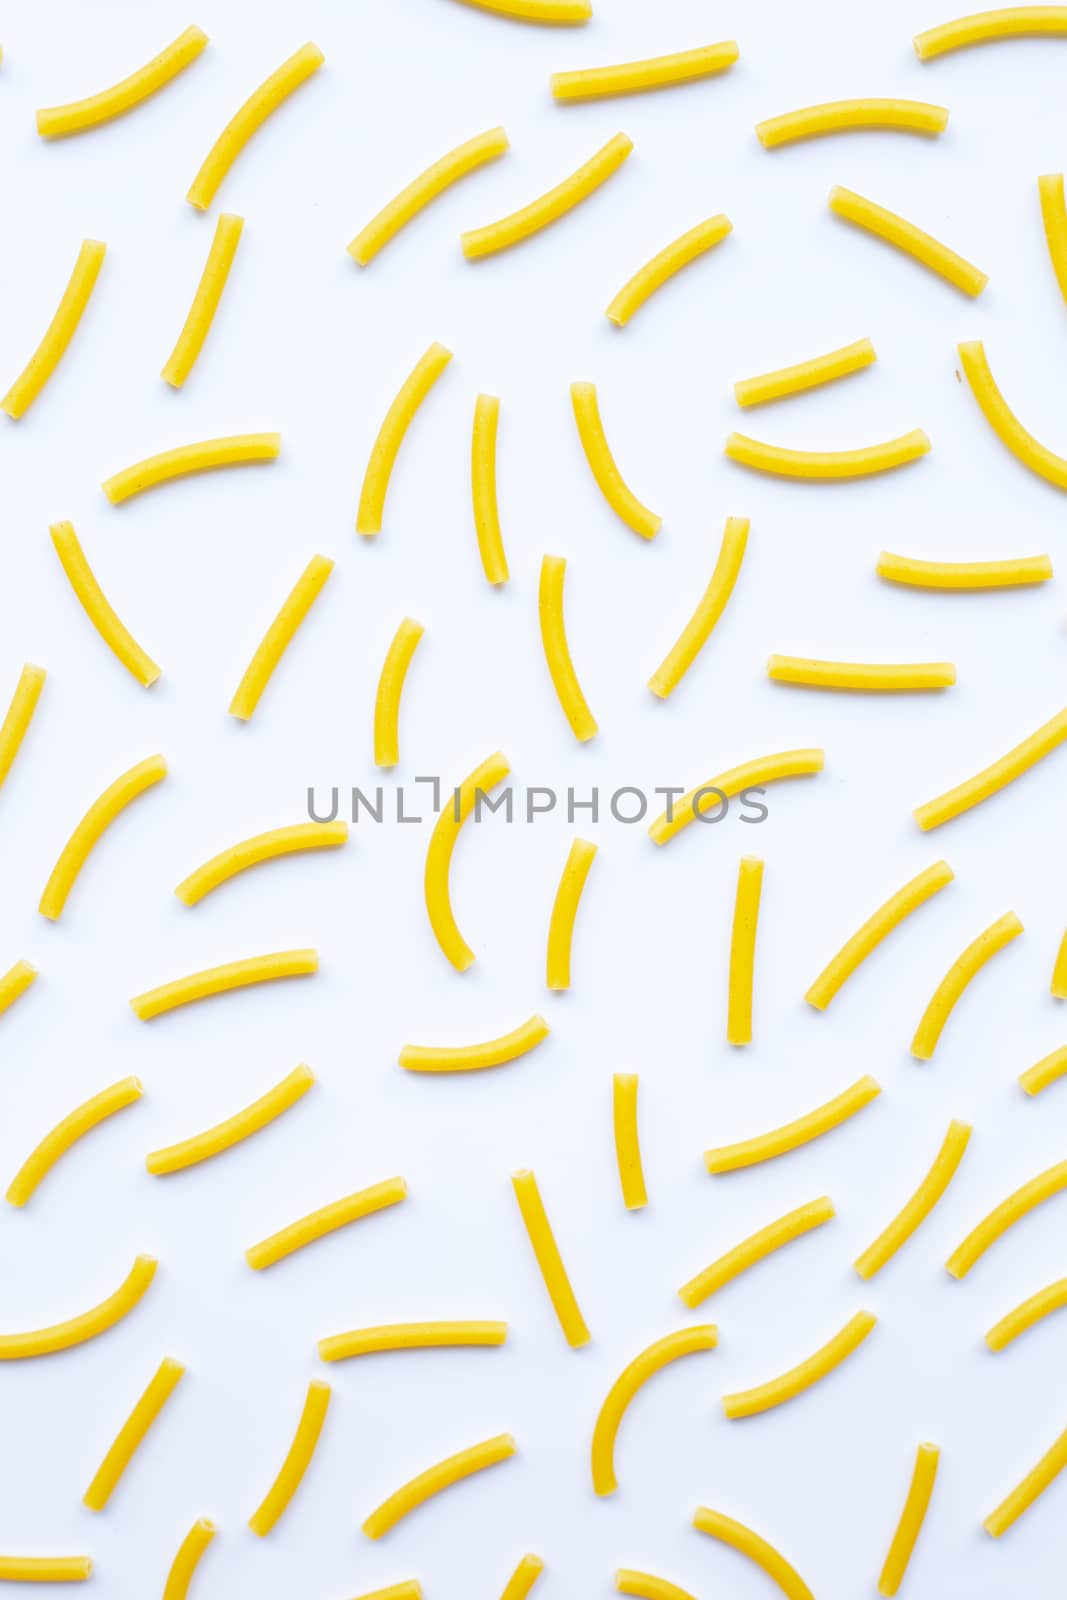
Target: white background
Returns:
[[307, 343]]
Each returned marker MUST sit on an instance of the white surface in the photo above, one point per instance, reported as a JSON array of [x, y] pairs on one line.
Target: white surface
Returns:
[[307, 343]]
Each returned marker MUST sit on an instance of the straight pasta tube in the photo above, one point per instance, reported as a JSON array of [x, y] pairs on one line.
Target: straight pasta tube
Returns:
[[132, 1434], [209, 290], [579, 860], [59, 333], [545, 1249], [743, 951], [279, 636], [557, 650]]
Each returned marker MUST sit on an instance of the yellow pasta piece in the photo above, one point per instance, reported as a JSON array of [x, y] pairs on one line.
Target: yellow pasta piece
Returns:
[[56, 122], [1013, 22], [880, 677], [959, 975], [749, 1152], [489, 1453], [557, 651], [352, 1208], [757, 1549], [418, 194], [279, 636], [548, 207], [827, 464], [756, 1248], [15, 982], [475, 1057], [45, 1569], [1048, 1070], [995, 777], [390, 688], [301, 836], [242, 1125], [459, 806], [1059, 972], [664, 265], [251, 117], [19, 715], [561, 12], [580, 858], [1003, 421], [188, 1559], [805, 374], [81, 1121], [1052, 1298], [685, 1342], [213, 279], [749, 1402], [627, 1143], [523, 1578], [398, 419], [1024, 1494], [879, 926], [963, 574], [637, 77], [89, 1325], [905, 236], [396, 1591], [736, 781], [412, 1336], [713, 602], [100, 815], [1054, 217], [60, 331], [241, 449], [848, 116], [97, 607], [602, 465], [132, 1433], [1010, 1211], [220, 980], [647, 1586], [743, 950], [911, 1519], [483, 488], [921, 1203], [546, 1250], [297, 1460]]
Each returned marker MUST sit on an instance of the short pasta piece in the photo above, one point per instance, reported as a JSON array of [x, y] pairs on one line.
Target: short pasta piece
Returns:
[[413, 1336], [412, 1590], [830, 465], [743, 950], [805, 375], [562, 13], [1035, 1483], [131, 1435], [298, 1459], [749, 1152], [602, 465], [551, 206], [995, 777], [1044, 1072], [909, 239], [647, 1586], [751, 775], [921, 1203], [220, 980], [523, 1578], [757, 1247], [251, 116], [1054, 217], [443, 840], [557, 651], [185, 1563], [59, 333], [242, 1125], [850, 116], [580, 858], [664, 265], [279, 636], [911, 1519], [959, 975], [881, 677], [757, 1549], [489, 1453], [1011, 22], [1052, 1298], [475, 1057], [57, 122], [636, 77], [1019, 1204], [98, 608], [45, 1569], [549, 1260], [89, 1325], [483, 488], [19, 715], [1009, 574], [627, 1143], [99, 817], [237, 858], [386, 447], [239, 450], [390, 688], [749, 1402], [418, 194], [685, 1342], [1003, 421], [878, 926], [213, 281], [305, 1231], [55, 1144], [15, 982], [713, 602]]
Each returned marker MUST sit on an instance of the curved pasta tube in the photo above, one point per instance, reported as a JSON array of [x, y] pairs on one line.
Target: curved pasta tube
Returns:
[[412, 392], [251, 117], [1012, 22], [627, 1144], [242, 1125], [865, 676], [636, 77], [963, 574], [713, 602], [240, 449], [550, 206], [305, 1231], [847, 116], [549, 1260], [60, 331], [738, 780], [439, 851], [98, 608], [921, 1203], [911, 1519], [1010, 1211], [489, 1453], [82, 1120], [750, 1544], [297, 1460], [1025, 1493], [99, 817], [743, 950], [805, 374], [56, 122], [220, 980], [557, 651], [483, 488], [279, 636], [959, 975], [1003, 421], [45, 1569], [664, 265], [749, 1402], [1052, 1298], [649, 1587], [475, 1057], [560, 12], [412, 1336], [827, 464], [132, 1433], [188, 1559], [684, 1342], [213, 280], [390, 688], [19, 715], [878, 926], [14, 983], [756, 1248], [995, 777], [749, 1152], [523, 1578], [906, 237], [580, 858], [1054, 217], [301, 836], [602, 465], [418, 194], [1044, 1072], [89, 1325]]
